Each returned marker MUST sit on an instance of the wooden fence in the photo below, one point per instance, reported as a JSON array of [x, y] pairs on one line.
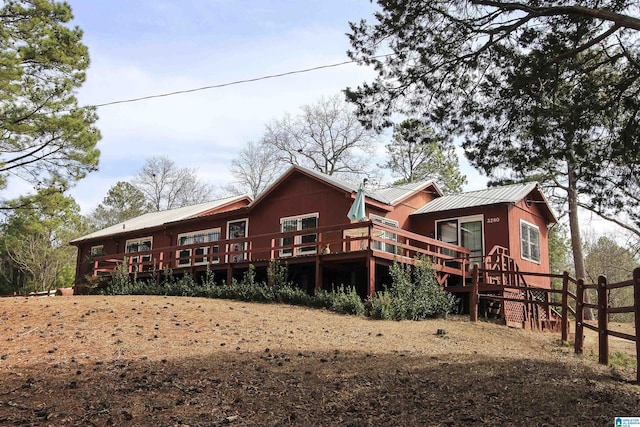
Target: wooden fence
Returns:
[[571, 303]]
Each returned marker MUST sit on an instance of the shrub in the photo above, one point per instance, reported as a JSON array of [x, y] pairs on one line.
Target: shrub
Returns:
[[415, 294], [380, 306], [292, 295], [322, 299], [347, 301], [343, 300]]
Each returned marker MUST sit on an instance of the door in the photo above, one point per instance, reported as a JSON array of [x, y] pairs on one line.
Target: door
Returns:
[[298, 223], [237, 230]]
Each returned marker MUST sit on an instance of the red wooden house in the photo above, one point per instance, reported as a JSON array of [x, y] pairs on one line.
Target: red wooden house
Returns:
[[301, 220]]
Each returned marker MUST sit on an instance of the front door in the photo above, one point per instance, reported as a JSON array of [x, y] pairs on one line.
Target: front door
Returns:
[[237, 250]]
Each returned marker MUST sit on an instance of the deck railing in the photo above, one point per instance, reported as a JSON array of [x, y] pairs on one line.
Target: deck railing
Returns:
[[384, 241]]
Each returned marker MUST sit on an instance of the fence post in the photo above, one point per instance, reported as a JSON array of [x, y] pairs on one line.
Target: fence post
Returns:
[[564, 321], [473, 297], [579, 339], [636, 305], [603, 321]]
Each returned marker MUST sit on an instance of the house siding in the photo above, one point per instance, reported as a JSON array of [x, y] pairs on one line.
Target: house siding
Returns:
[[501, 224]]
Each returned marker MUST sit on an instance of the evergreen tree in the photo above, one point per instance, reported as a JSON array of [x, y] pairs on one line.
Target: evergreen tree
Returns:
[[122, 202], [416, 153], [44, 135]]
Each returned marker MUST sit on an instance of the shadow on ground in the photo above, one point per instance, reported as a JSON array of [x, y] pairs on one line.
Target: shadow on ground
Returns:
[[323, 389]]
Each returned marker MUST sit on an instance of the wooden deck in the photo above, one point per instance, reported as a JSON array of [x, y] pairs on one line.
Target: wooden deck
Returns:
[[366, 244]]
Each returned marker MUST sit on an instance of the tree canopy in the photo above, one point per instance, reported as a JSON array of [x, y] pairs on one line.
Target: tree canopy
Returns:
[[417, 153], [44, 135], [34, 244], [166, 186], [122, 202], [254, 169], [431, 56], [327, 137]]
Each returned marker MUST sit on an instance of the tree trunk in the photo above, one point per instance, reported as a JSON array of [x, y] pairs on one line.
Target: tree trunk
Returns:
[[576, 241]]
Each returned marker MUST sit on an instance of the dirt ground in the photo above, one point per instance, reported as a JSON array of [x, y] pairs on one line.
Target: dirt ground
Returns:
[[167, 361]]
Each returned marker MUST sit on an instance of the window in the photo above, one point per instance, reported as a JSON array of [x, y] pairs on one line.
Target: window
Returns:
[[303, 222], [202, 236], [96, 251], [529, 242], [387, 235], [465, 232], [140, 245]]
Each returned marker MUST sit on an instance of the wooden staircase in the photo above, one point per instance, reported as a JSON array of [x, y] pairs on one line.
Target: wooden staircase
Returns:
[[519, 304]]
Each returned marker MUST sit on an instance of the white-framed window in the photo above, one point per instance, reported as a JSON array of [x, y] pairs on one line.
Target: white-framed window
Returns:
[[296, 223], [387, 235], [529, 242], [140, 245], [237, 229], [467, 232], [201, 254], [97, 250]]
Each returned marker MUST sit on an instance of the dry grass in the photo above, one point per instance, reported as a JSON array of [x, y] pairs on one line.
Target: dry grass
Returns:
[[167, 361]]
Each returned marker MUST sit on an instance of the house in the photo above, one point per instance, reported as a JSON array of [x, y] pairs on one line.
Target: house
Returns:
[[301, 220]]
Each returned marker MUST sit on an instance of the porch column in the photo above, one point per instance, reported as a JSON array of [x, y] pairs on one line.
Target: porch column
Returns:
[[318, 284], [371, 274], [229, 274]]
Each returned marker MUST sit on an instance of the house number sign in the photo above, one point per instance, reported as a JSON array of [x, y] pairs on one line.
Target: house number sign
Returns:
[[493, 220]]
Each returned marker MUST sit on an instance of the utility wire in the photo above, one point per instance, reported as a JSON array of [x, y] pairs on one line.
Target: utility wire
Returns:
[[237, 82]]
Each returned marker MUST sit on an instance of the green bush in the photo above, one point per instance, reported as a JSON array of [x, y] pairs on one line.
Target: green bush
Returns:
[[322, 299], [292, 295], [380, 306], [347, 301], [343, 300], [415, 293]]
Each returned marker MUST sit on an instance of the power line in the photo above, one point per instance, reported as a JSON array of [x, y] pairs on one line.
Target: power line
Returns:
[[233, 83]]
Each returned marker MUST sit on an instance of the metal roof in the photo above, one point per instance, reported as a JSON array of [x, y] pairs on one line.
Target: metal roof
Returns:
[[399, 192], [154, 219], [490, 196]]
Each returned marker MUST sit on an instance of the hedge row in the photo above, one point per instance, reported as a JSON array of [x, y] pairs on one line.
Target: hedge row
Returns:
[[413, 294]]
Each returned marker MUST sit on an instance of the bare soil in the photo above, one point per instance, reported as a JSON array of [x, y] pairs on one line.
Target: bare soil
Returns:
[[167, 361]]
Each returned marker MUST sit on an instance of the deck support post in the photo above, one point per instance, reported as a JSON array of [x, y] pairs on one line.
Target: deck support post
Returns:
[[318, 284], [229, 274], [371, 274], [473, 296]]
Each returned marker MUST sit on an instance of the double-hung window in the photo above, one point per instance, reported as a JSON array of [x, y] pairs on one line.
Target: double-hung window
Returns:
[[197, 255], [133, 246], [529, 242], [297, 223]]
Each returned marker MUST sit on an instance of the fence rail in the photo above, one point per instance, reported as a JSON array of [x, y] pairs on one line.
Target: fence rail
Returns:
[[571, 303]]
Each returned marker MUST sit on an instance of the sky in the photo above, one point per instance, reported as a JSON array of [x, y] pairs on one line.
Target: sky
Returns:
[[140, 48], [148, 47]]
